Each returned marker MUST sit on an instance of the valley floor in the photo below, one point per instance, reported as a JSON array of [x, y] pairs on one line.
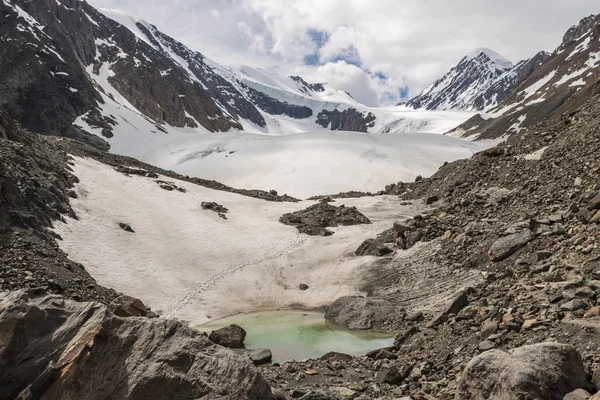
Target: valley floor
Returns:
[[312, 163], [189, 263]]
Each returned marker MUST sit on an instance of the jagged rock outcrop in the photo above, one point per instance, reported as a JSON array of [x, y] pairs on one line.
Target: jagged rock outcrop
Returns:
[[347, 120], [276, 107], [315, 219], [61, 349], [575, 32]]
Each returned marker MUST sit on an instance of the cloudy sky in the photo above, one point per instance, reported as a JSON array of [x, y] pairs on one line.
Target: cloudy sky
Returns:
[[381, 51]]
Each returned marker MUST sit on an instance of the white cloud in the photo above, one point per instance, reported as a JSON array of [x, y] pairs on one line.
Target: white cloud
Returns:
[[366, 88], [412, 42]]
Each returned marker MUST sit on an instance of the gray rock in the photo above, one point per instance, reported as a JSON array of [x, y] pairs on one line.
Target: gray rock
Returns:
[[574, 305], [388, 374], [486, 345], [231, 336], [126, 227], [62, 349], [507, 246], [578, 394], [401, 227], [546, 371], [432, 199], [488, 328], [454, 307], [260, 356], [594, 203], [127, 306], [373, 247]]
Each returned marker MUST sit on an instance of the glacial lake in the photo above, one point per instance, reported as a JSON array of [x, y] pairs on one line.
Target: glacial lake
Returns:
[[300, 335]]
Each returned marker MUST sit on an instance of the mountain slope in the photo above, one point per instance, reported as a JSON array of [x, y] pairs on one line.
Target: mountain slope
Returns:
[[562, 83], [107, 79], [467, 80]]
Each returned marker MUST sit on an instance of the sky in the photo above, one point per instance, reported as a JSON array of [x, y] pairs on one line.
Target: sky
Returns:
[[380, 51]]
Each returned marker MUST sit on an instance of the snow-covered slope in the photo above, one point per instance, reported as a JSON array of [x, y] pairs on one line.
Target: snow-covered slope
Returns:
[[190, 264], [308, 164]]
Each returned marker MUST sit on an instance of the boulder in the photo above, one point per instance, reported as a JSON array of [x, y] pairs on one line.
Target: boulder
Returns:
[[508, 245], [126, 227], [389, 374], [431, 199], [594, 203], [578, 394], [488, 328], [260, 356], [454, 307], [231, 336], [127, 306], [373, 247], [546, 371], [55, 348]]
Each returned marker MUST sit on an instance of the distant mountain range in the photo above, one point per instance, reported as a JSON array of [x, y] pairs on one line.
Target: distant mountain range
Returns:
[[105, 78], [513, 97]]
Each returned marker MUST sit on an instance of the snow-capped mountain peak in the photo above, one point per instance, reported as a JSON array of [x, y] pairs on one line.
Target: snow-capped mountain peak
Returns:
[[464, 83], [489, 58]]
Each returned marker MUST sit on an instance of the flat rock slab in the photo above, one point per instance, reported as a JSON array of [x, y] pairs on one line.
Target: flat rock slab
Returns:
[[508, 245]]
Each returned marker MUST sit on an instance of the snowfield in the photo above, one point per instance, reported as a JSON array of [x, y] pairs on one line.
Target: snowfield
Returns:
[[308, 164], [189, 263]]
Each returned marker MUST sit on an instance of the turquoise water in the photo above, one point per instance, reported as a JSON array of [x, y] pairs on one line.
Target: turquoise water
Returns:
[[299, 335]]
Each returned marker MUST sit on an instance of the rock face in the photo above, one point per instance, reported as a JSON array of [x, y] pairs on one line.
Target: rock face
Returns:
[[276, 107], [57, 348], [555, 85], [66, 64], [35, 187], [478, 81], [541, 371], [231, 336], [347, 120], [360, 313], [314, 219]]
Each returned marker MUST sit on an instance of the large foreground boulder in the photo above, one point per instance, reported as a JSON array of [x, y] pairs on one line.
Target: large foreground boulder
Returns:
[[54, 348], [546, 371]]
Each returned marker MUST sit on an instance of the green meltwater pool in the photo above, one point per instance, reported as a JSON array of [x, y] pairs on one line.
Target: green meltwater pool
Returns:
[[300, 335]]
